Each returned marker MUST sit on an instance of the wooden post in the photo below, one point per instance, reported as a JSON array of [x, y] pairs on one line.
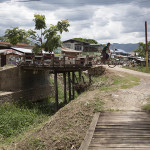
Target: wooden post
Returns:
[[146, 46], [69, 83], [64, 60], [80, 72], [90, 79], [56, 91], [53, 60], [73, 82], [65, 88]]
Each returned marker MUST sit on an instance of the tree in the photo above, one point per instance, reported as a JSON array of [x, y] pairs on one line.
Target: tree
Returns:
[[92, 41], [51, 35], [16, 35], [39, 23], [3, 39], [142, 49]]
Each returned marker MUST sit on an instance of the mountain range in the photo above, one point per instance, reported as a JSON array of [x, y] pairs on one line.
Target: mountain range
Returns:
[[126, 47]]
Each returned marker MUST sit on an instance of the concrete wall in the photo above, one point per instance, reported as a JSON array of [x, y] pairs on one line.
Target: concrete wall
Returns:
[[15, 79], [29, 94], [16, 83]]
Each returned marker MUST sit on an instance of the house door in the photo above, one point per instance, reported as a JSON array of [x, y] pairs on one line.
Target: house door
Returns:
[[3, 60]]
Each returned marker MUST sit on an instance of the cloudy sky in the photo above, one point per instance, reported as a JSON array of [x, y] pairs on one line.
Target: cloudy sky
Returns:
[[115, 21]]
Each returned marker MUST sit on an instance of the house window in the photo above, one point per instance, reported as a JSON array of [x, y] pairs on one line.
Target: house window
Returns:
[[78, 47], [67, 45]]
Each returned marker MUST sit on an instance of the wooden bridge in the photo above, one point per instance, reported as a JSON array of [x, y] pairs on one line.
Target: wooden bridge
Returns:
[[118, 131], [67, 65]]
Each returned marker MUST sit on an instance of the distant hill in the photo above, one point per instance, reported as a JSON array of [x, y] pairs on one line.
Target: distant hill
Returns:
[[126, 47]]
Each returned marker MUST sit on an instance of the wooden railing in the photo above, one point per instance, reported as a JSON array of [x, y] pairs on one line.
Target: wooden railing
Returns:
[[58, 60]]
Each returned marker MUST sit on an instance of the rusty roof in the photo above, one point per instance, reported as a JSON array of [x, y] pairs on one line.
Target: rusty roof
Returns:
[[20, 45]]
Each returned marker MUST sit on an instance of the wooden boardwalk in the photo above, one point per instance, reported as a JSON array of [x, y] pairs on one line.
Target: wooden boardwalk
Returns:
[[119, 131]]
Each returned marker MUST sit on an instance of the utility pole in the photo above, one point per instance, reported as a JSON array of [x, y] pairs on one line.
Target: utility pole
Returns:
[[146, 46]]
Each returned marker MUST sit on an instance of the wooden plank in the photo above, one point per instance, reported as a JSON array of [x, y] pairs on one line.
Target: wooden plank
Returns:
[[127, 130], [137, 145], [89, 134]]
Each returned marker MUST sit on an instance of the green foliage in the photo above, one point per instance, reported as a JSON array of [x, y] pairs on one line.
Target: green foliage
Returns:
[[63, 26], [39, 21], [146, 107], [51, 34], [139, 68], [53, 39], [118, 82], [92, 41], [16, 35], [3, 39], [37, 49], [142, 49], [16, 118]]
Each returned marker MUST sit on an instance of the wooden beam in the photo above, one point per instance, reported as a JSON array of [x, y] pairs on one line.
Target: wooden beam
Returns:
[[73, 85], [90, 79], [56, 91], [80, 72], [69, 83], [65, 88]]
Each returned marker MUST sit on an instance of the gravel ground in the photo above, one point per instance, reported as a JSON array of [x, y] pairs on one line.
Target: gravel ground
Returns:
[[132, 98]]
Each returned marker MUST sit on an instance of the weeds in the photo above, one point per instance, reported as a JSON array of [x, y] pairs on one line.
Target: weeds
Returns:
[[19, 117], [118, 82], [98, 105], [36, 144], [138, 68], [146, 107]]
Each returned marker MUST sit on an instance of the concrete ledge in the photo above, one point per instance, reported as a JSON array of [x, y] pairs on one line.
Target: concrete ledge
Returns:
[[86, 142], [33, 94]]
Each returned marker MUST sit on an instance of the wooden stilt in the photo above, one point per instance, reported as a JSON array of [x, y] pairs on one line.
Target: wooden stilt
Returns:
[[73, 82], [80, 72], [69, 83], [65, 88], [90, 79], [56, 91]]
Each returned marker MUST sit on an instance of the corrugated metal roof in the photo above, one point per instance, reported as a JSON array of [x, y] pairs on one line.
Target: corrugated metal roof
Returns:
[[69, 50], [10, 51], [24, 50]]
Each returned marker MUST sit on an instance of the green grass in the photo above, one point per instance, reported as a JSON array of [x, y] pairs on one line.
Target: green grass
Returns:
[[146, 107], [120, 82], [35, 144], [102, 78], [20, 117], [139, 68], [98, 105]]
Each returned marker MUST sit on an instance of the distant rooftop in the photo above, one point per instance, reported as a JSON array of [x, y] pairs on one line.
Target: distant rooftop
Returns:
[[21, 45]]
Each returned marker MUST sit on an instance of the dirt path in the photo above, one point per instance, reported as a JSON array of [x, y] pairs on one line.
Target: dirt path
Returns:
[[132, 98]]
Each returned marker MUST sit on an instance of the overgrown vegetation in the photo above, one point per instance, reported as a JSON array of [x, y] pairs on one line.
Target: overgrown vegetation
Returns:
[[16, 118], [139, 68], [92, 41], [146, 107], [120, 82]]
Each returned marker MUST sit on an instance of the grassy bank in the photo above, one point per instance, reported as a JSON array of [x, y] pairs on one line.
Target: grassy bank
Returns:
[[16, 118], [139, 68], [65, 129]]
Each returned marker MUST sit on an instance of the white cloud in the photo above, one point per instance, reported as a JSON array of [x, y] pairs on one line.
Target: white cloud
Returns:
[[109, 20]]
